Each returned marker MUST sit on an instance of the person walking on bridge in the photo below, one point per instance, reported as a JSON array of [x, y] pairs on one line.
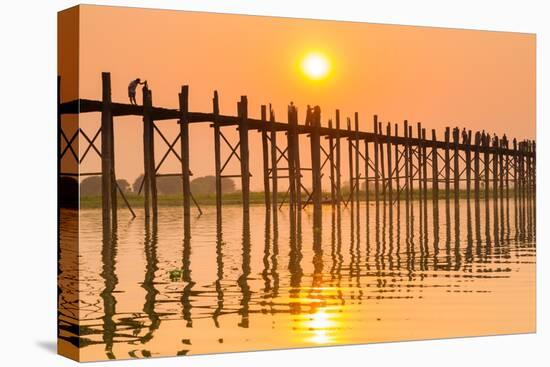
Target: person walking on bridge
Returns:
[[132, 89]]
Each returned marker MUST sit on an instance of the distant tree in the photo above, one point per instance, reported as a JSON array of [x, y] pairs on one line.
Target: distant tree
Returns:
[[364, 186], [123, 184], [90, 186], [207, 185], [168, 185], [137, 183]]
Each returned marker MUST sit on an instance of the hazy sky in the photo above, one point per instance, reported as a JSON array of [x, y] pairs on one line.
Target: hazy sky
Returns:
[[441, 77]]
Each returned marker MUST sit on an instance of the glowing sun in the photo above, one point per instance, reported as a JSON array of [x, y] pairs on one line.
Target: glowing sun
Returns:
[[315, 66]]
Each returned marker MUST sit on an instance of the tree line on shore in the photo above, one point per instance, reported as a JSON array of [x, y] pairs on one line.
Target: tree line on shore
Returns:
[[166, 185]]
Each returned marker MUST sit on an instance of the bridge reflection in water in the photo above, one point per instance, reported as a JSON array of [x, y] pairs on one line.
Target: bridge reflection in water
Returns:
[[360, 276]]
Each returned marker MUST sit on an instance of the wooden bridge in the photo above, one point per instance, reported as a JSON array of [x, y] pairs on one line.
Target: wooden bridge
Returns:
[[398, 165]]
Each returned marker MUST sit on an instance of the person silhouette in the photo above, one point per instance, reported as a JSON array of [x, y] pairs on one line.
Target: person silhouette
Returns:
[[132, 89], [309, 114], [464, 136]]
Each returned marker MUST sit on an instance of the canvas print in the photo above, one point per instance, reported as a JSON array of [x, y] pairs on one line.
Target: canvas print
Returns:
[[236, 183]]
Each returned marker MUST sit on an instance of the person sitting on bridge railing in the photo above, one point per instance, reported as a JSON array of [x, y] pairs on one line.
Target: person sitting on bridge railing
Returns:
[[132, 89]]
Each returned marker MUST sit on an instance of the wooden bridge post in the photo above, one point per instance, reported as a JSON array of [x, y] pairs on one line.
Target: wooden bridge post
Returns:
[[367, 183], [435, 173], [184, 151], [106, 153], [425, 175], [217, 155], [265, 155], [338, 162], [522, 161], [468, 165], [146, 155], [382, 164], [243, 139], [357, 175], [411, 165], [389, 158], [507, 166], [350, 165], [376, 168], [496, 153], [274, 173], [435, 178], [419, 171], [447, 166], [477, 143], [152, 165], [297, 166], [406, 163], [315, 144], [456, 169], [486, 153], [114, 204], [291, 161], [501, 154], [516, 169], [397, 169], [332, 170]]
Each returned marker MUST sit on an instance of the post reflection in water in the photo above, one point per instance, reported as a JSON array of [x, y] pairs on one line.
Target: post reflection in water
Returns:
[[353, 276]]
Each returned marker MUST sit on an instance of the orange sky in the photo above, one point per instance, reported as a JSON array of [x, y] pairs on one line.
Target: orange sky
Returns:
[[473, 79]]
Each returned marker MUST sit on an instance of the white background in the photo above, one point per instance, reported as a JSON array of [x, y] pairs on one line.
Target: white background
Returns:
[[28, 209]]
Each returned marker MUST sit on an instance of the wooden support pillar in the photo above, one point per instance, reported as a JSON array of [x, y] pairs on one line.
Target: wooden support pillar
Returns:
[[106, 153], [486, 164], [357, 175], [184, 152], [507, 171], [389, 158], [456, 168], [338, 162], [152, 164], [397, 170], [496, 153], [424, 175], [274, 173], [265, 155], [367, 182], [515, 158], [435, 187], [297, 166], [376, 168], [291, 160], [477, 143], [502, 146], [350, 165], [382, 163], [146, 154], [411, 165], [419, 170], [447, 166], [407, 156], [217, 155], [332, 169], [468, 165], [315, 144], [435, 176], [243, 139], [114, 204]]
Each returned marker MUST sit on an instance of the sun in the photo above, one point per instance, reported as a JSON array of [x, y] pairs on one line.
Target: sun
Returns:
[[315, 66]]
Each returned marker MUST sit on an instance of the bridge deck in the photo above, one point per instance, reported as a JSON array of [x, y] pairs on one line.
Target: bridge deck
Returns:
[[160, 113]]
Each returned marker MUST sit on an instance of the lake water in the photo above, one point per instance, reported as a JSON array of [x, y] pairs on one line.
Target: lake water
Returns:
[[150, 291]]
